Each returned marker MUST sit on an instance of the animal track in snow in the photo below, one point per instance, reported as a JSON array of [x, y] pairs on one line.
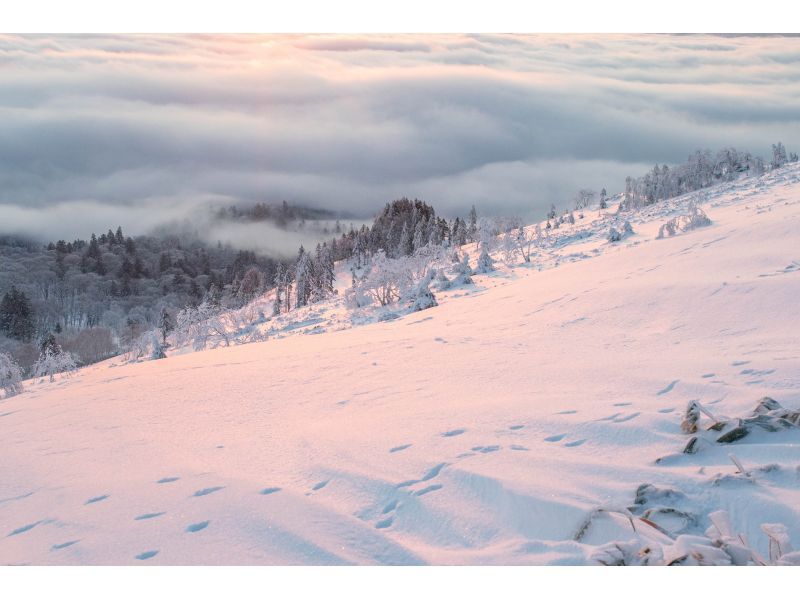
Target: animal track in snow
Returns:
[[207, 491], [196, 527], [148, 516], [146, 555], [667, 388], [752, 372], [433, 472], [456, 432], [397, 449], [555, 438], [20, 497], [486, 449], [64, 545], [575, 443], [626, 418], [426, 489], [609, 418], [271, 490], [96, 499], [24, 528]]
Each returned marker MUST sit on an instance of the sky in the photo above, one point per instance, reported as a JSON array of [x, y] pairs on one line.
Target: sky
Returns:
[[139, 130]]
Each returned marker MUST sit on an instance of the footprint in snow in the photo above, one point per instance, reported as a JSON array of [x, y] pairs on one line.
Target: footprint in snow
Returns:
[[24, 528], [626, 418], [64, 545], [456, 432], [738, 363], [486, 449], [519, 447], [667, 410], [168, 480], [271, 490], [146, 555], [433, 472], [148, 516], [396, 449], [708, 375], [622, 404], [567, 412], [575, 443], [426, 489], [516, 427], [320, 485], [390, 507], [196, 527], [384, 523], [667, 388], [207, 491], [555, 438], [96, 499]]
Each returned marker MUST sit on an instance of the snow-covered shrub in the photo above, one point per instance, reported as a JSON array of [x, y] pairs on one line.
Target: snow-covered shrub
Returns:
[[52, 362], [10, 376], [696, 218]]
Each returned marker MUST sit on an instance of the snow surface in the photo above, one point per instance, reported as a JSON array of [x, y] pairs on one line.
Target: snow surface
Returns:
[[481, 431]]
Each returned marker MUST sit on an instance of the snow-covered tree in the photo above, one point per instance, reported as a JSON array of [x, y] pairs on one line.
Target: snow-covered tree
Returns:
[[485, 261], [386, 280], [463, 272], [472, 226], [583, 198], [51, 363], [423, 297], [16, 315], [165, 324], [778, 155], [10, 376], [303, 277], [148, 346], [603, 196], [324, 274], [615, 235], [252, 284]]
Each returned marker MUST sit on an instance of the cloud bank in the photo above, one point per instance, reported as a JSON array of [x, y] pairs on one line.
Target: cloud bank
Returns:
[[145, 127]]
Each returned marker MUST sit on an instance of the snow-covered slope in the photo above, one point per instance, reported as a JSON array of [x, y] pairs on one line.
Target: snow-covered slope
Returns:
[[484, 430]]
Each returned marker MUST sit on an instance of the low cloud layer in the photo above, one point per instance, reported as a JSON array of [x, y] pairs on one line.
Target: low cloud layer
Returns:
[[144, 128]]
